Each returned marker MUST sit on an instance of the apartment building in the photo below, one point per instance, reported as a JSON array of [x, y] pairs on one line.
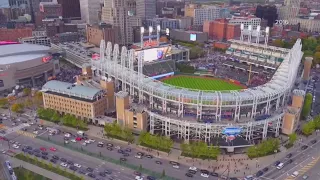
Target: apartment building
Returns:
[[90, 11], [254, 21], [163, 22], [82, 101], [146, 9], [307, 25], [221, 29], [121, 13], [109, 33], [208, 13]]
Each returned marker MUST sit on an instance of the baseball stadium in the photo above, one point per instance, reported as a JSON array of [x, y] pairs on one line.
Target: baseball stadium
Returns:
[[204, 105]]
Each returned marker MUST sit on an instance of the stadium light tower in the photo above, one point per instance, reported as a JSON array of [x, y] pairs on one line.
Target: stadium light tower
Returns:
[[141, 36], [250, 33], [242, 28], [267, 36], [150, 32], [158, 34], [258, 34]]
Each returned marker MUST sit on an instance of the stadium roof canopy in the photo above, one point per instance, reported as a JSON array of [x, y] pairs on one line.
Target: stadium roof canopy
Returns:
[[72, 90], [14, 53]]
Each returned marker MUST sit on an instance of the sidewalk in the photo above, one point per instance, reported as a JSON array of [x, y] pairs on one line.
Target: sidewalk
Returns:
[[36, 169]]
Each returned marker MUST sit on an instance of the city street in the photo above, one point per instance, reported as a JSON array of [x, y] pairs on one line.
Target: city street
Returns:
[[16, 133], [301, 158]]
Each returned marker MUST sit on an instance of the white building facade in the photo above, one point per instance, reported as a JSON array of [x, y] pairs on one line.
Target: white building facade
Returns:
[[203, 14], [246, 21]]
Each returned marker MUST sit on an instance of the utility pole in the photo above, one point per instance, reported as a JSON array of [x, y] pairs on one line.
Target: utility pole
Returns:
[[249, 78]]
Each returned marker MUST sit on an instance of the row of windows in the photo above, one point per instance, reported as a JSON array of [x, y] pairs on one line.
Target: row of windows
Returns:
[[70, 111]]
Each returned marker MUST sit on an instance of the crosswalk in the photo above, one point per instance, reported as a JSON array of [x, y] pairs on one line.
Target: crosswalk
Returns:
[[16, 129], [305, 168], [24, 133]]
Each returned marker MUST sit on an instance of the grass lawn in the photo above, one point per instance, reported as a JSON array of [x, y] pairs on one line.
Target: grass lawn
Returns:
[[201, 83], [23, 173]]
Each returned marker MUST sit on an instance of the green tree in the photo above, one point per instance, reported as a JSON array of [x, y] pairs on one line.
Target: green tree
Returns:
[[278, 43], [56, 117], [3, 102], [316, 122], [318, 47], [306, 106], [292, 138], [17, 108], [308, 128], [316, 58], [27, 91]]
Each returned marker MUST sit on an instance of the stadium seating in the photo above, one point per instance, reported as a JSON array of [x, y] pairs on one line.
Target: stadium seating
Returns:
[[159, 67]]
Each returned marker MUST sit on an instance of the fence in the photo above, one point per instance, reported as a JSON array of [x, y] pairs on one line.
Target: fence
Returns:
[[111, 160]]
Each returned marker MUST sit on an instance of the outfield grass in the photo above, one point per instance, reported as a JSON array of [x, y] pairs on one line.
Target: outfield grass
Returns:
[[201, 83]]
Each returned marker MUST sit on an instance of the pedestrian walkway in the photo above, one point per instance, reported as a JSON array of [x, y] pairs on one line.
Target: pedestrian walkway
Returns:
[[16, 163], [24, 133], [305, 168]]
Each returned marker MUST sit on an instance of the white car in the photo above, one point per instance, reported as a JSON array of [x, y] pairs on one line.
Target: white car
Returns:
[[92, 140], [139, 178], [15, 146], [64, 164], [193, 168], [295, 174], [35, 132], [176, 166], [73, 140], [205, 175], [84, 144], [100, 143], [67, 135], [87, 141], [77, 165], [118, 147], [67, 142], [137, 156]]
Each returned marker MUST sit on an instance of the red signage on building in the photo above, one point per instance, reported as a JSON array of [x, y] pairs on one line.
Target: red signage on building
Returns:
[[46, 59], [150, 43]]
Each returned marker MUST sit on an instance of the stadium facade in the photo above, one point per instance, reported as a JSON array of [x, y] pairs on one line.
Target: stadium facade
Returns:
[[29, 65], [193, 114]]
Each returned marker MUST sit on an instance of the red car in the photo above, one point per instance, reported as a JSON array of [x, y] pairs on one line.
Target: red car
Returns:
[[78, 139], [43, 149], [53, 149]]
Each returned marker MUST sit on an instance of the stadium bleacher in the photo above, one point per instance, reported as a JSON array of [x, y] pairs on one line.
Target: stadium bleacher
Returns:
[[159, 67]]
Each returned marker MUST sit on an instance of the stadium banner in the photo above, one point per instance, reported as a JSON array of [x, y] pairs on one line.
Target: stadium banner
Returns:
[[163, 75]]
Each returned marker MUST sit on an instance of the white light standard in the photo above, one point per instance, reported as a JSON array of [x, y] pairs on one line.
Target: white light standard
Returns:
[[141, 36]]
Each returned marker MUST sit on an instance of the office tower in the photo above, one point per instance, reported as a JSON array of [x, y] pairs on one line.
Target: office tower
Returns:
[[70, 8], [90, 11], [121, 13], [307, 67], [146, 9]]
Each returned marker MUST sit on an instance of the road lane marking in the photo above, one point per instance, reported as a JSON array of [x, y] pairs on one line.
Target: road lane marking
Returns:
[[292, 168], [305, 168]]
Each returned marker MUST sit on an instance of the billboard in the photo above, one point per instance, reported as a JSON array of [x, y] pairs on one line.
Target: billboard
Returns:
[[153, 53], [231, 132], [46, 59], [193, 37]]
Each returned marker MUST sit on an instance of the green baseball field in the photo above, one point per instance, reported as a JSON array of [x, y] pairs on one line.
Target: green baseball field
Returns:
[[201, 83]]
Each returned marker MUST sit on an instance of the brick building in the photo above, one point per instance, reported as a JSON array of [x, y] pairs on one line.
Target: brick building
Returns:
[[14, 34], [70, 9], [48, 10], [109, 33], [220, 29]]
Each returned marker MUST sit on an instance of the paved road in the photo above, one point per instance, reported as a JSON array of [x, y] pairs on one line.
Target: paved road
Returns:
[[300, 159], [4, 173], [313, 173], [144, 162]]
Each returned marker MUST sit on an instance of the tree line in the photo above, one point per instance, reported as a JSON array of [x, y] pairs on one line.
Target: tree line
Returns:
[[306, 109], [67, 119], [161, 143], [199, 149], [114, 130], [311, 126], [266, 147]]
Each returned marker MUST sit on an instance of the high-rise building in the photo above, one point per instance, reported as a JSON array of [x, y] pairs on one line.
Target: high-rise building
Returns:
[[246, 21], [146, 9], [70, 8], [35, 7], [96, 33], [221, 29], [90, 11], [121, 13], [206, 14], [48, 10]]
